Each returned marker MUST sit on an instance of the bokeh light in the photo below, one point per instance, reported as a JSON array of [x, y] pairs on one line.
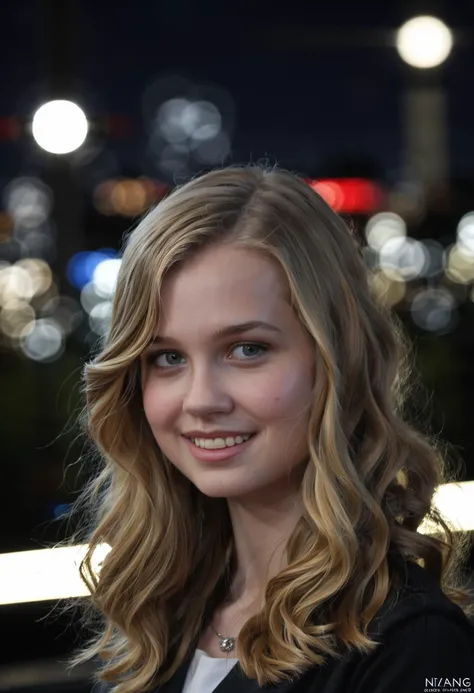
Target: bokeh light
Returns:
[[127, 197], [100, 316], [28, 200], [189, 124], [59, 126], [44, 341], [459, 265], [435, 310], [89, 297], [382, 227], [15, 283], [105, 277], [81, 266], [424, 41], [17, 317], [388, 291], [39, 272], [349, 195], [465, 234], [403, 257]]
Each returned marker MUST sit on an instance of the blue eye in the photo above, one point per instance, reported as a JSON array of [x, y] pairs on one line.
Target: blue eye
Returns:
[[153, 357]]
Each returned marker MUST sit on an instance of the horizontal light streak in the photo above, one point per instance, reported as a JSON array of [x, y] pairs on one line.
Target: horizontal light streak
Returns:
[[51, 574], [43, 574]]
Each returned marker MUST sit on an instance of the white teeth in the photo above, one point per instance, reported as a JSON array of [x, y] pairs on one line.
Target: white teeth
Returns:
[[216, 443]]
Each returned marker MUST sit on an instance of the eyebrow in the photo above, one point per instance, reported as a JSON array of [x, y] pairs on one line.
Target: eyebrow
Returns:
[[226, 331]]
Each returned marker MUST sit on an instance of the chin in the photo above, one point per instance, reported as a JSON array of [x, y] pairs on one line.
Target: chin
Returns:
[[218, 490], [221, 489]]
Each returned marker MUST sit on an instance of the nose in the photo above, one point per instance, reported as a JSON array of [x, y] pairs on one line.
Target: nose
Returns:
[[206, 393]]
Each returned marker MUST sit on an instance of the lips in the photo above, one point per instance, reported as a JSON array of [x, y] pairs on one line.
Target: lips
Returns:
[[219, 455]]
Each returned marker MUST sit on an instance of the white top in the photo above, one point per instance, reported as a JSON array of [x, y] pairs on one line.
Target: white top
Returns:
[[205, 673]]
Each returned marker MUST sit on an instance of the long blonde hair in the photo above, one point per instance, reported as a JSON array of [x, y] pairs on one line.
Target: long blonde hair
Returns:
[[367, 487]]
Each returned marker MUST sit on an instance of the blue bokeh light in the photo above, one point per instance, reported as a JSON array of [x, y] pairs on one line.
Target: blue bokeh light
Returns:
[[81, 266]]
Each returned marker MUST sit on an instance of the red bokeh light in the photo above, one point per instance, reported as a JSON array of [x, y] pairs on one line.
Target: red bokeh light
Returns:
[[350, 195]]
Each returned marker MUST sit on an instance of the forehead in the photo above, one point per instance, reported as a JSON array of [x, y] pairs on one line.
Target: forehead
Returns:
[[223, 274], [221, 286]]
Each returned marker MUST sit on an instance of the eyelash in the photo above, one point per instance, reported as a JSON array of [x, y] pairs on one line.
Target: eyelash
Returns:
[[151, 358]]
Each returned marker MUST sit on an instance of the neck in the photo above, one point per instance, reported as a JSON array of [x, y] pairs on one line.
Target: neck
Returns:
[[260, 534]]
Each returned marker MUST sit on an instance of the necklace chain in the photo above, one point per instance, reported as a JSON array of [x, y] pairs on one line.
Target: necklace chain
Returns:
[[226, 644]]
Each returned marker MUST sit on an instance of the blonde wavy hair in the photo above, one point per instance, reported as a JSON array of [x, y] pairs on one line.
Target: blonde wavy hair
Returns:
[[368, 484]]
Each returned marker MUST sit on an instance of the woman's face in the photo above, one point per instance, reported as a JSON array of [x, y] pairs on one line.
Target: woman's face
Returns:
[[208, 383]]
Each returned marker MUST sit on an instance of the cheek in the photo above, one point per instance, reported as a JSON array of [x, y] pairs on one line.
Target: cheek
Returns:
[[284, 396], [156, 406]]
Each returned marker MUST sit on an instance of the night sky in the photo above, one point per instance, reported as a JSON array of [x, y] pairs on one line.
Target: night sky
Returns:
[[313, 84]]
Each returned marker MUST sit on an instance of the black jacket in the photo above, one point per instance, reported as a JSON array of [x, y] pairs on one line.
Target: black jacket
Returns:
[[428, 645]]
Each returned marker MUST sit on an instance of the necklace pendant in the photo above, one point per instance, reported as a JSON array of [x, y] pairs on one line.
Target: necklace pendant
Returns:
[[227, 644]]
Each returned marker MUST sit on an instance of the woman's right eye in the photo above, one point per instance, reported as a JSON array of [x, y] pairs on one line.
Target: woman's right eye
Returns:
[[152, 358]]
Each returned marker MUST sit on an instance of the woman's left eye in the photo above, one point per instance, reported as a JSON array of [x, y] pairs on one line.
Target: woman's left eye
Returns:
[[153, 357]]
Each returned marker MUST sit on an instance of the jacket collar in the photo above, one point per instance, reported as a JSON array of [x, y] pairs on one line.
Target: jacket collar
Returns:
[[234, 682]]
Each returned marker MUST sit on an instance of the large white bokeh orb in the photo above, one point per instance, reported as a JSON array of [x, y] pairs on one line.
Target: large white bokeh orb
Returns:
[[59, 126], [424, 41]]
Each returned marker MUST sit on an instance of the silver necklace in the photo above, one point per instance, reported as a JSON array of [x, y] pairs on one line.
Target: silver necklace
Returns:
[[226, 644]]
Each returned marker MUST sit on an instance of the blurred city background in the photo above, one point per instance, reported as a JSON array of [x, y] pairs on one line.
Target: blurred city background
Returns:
[[104, 107]]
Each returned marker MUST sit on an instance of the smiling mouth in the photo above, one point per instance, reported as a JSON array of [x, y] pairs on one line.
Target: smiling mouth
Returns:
[[191, 440]]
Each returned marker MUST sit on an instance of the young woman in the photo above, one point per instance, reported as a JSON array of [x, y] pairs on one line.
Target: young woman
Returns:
[[259, 486]]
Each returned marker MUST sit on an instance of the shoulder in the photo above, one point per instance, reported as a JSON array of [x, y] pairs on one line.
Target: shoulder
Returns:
[[417, 596], [426, 641], [427, 650]]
